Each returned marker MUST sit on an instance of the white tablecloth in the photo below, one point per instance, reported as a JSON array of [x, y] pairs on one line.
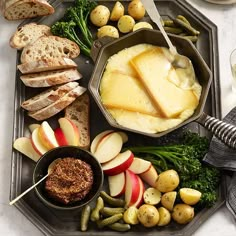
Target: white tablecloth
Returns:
[[12, 222]]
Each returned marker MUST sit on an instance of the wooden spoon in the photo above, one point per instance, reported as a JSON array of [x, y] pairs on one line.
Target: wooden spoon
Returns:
[[50, 169]]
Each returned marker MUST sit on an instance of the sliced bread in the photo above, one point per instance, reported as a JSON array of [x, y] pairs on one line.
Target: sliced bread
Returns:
[[46, 65], [47, 97], [78, 112], [50, 78], [50, 47], [27, 34], [58, 105], [22, 9]]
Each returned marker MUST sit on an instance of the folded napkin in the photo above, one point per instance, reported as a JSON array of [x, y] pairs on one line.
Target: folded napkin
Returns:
[[224, 158]]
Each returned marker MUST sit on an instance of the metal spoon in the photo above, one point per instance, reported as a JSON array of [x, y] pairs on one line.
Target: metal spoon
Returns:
[[50, 169], [179, 61]]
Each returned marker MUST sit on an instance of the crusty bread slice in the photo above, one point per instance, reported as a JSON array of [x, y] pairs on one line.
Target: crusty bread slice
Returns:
[[154, 70], [46, 65], [58, 105], [27, 34], [47, 97], [119, 90], [50, 47], [50, 78], [78, 112], [22, 9]]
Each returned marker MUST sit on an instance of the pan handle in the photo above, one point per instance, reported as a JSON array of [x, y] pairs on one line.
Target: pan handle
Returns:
[[222, 130]]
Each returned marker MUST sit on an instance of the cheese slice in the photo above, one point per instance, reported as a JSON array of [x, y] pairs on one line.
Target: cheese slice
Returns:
[[153, 70], [122, 91]]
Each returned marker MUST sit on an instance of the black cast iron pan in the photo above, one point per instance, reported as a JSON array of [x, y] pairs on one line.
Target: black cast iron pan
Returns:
[[104, 48]]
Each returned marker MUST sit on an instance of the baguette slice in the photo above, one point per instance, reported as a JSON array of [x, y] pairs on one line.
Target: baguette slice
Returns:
[[28, 34], [46, 65], [50, 78], [154, 70], [47, 97], [22, 9], [50, 47], [79, 113], [58, 105]]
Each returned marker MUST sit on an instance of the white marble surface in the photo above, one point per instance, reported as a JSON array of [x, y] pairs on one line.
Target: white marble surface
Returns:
[[12, 222]]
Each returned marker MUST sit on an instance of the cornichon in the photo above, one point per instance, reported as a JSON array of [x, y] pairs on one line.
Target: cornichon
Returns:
[[110, 211], [117, 202], [186, 27], [119, 227], [173, 30], [192, 38], [169, 23], [95, 215], [109, 220], [183, 18], [85, 214]]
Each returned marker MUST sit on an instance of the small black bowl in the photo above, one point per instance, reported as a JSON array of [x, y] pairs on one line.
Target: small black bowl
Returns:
[[62, 152]]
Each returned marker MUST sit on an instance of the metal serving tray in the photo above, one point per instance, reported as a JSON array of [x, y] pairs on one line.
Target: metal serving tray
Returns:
[[52, 222]]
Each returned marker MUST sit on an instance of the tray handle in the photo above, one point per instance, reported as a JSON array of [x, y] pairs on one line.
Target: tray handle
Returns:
[[222, 130]]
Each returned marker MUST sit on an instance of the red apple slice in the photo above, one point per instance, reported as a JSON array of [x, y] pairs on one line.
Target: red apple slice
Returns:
[[37, 143], [116, 184], [139, 201], [98, 138], [60, 137], [46, 135], [124, 136], [118, 164], [140, 165], [150, 176], [32, 127], [108, 148], [70, 131], [132, 188], [24, 146]]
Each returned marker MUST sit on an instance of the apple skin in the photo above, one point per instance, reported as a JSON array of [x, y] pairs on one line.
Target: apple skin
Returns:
[[150, 176], [24, 145], [37, 143], [60, 137], [70, 130], [117, 184], [119, 164], [140, 165], [139, 201], [132, 188], [109, 147], [46, 135]]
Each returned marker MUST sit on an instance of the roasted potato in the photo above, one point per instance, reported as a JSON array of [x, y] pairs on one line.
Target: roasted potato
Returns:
[[136, 9], [131, 216], [117, 11], [148, 215], [167, 181], [168, 200], [126, 24], [190, 196], [141, 25], [164, 216], [100, 15], [182, 213], [152, 196], [108, 30]]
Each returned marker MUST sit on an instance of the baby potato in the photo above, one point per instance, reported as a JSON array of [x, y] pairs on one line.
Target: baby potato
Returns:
[[165, 216], [126, 24], [99, 16], [136, 9], [182, 213], [168, 200], [108, 30], [190, 196], [167, 181], [152, 196], [131, 216], [117, 11], [141, 25], [148, 215]]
